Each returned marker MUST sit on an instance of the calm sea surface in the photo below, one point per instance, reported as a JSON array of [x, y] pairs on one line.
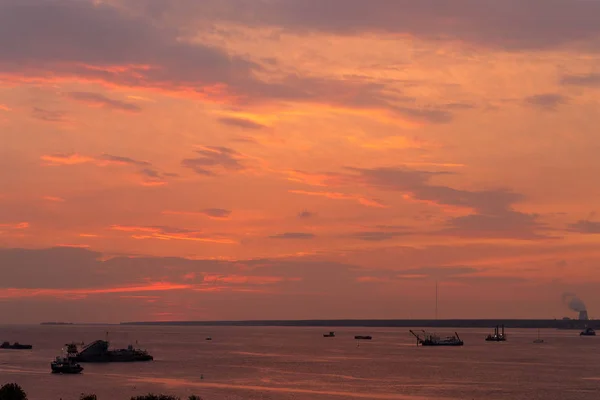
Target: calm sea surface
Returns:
[[298, 363]]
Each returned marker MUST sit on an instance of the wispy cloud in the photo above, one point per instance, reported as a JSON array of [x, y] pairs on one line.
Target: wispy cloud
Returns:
[[215, 213], [586, 226], [343, 196], [241, 123], [49, 115], [100, 100], [148, 174], [55, 199], [547, 101], [589, 80], [293, 236], [378, 236], [169, 233], [214, 159], [19, 225], [306, 214]]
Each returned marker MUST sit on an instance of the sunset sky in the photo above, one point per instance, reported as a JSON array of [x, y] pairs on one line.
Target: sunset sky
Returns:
[[294, 159]]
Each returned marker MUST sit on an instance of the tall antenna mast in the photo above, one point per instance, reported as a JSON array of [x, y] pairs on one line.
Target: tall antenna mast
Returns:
[[436, 299]]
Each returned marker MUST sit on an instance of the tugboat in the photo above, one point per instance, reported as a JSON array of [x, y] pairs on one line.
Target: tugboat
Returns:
[[588, 332], [15, 346], [430, 339], [65, 365], [330, 334], [497, 336]]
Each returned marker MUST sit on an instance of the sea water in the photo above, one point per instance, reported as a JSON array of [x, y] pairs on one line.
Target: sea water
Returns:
[[248, 363]]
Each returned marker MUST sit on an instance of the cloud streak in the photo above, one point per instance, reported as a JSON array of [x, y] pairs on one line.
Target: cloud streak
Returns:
[[213, 160], [100, 100]]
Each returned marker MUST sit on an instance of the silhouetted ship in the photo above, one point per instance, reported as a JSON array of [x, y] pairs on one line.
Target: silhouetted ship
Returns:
[[497, 336], [359, 337], [15, 346], [98, 351], [430, 339], [65, 365], [330, 334], [538, 340], [588, 332]]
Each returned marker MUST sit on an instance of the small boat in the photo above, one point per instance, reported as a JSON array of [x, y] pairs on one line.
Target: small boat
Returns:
[[208, 338], [538, 340], [15, 346], [497, 336], [65, 365], [588, 332], [363, 337], [330, 334], [430, 339]]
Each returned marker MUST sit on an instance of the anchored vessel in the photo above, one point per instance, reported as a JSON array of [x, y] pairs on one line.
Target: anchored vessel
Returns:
[[538, 340], [98, 352], [497, 336], [330, 334], [430, 339], [588, 332], [15, 346], [65, 365]]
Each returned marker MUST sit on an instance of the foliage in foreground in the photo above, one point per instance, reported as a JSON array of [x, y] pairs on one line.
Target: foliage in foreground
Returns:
[[161, 397], [12, 391]]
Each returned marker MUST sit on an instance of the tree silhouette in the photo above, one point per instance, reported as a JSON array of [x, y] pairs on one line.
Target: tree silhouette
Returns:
[[12, 391]]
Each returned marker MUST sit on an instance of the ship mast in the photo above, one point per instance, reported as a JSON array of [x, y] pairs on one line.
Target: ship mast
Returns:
[[436, 299]]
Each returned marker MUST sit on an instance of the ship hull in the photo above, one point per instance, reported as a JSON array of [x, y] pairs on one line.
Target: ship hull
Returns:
[[442, 344]]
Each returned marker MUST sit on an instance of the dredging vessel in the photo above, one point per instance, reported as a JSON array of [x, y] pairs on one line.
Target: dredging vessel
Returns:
[[497, 336], [431, 339], [98, 351]]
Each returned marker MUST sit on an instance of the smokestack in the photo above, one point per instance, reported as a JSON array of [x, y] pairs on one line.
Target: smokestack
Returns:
[[583, 315]]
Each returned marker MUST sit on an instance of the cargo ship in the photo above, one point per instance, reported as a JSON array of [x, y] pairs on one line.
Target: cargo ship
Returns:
[[98, 351], [15, 346]]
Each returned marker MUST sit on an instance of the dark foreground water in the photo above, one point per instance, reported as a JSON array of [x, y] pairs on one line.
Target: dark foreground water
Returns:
[[298, 363]]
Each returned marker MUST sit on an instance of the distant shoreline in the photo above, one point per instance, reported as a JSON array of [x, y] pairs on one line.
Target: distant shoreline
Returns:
[[388, 323]]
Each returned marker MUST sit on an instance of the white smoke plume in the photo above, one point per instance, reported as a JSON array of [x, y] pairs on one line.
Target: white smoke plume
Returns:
[[573, 302]]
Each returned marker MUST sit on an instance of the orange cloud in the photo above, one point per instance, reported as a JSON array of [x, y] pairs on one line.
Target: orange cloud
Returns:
[[167, 233], [66, 159], [342, 196], [20, 225], [77, 246], [54, 199], [62, 293], [243, 279], [5, 108], [212, 213]]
